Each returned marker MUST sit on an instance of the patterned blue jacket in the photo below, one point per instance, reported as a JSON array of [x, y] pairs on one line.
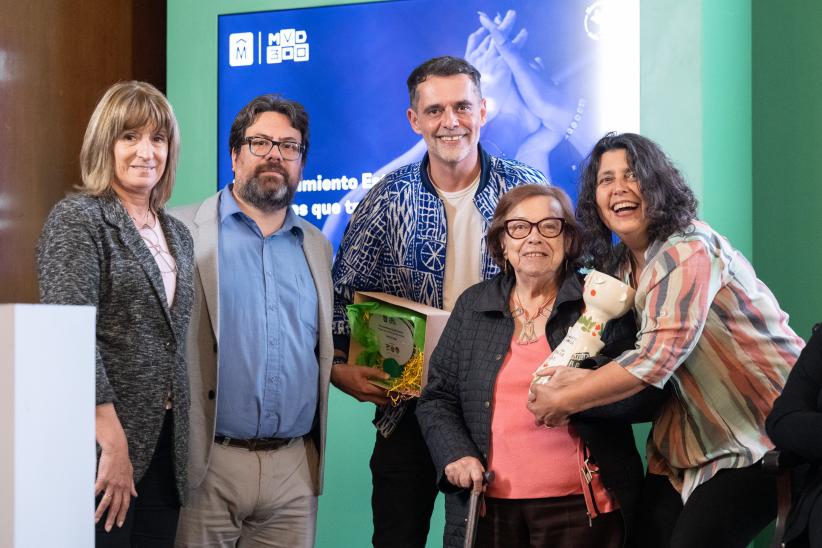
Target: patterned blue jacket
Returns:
[[396, 239]]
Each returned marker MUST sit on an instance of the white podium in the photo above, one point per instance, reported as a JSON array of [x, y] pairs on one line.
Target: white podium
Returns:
[[47, 451]]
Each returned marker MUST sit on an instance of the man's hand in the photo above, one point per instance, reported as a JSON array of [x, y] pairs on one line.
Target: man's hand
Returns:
[[466, 472], [353, 380]]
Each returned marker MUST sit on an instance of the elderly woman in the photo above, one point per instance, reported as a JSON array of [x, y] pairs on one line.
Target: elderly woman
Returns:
[[795, 425], [563, 486], [707, 326], [113, 247]]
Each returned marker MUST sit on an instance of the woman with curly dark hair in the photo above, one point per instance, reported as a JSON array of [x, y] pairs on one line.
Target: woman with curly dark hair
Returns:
[[706, 325]]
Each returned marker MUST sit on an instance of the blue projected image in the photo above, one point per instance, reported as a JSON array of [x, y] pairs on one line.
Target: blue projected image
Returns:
[[348, 65]]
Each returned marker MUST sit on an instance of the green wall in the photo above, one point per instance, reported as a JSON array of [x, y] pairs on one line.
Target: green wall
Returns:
[[705, 68], [787, 117], [726, 120], [696, 103], [670, 82]]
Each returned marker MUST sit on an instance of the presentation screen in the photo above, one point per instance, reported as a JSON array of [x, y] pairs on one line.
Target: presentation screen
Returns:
[[569, 74]]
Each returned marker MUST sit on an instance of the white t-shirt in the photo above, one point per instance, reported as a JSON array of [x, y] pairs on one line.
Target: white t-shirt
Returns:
[[466, 229]]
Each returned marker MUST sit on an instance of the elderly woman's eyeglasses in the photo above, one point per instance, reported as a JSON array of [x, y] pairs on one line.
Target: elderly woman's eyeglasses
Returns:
[[550, 227], [261, 146]]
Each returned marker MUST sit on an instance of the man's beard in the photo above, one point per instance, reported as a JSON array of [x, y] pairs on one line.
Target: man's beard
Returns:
[[258, 192]]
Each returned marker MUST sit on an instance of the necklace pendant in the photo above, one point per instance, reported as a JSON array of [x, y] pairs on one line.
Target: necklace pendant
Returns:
[[528, 334]]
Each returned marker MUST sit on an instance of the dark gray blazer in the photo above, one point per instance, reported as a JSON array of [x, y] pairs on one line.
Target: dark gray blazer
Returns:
[[90, 253]]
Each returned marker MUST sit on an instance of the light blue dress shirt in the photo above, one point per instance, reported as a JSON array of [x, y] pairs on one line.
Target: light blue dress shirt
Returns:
[[268, 329]]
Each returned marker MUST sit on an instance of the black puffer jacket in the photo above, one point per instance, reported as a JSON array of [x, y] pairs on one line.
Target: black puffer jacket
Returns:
[[455, 408]]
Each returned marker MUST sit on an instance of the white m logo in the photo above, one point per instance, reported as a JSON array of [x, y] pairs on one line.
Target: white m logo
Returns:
[[241, 49]]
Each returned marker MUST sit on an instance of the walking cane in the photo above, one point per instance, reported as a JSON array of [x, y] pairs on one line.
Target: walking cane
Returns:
[[473, 511]]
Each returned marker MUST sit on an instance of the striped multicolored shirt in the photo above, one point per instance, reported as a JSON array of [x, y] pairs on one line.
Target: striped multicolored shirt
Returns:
[[713, 330]]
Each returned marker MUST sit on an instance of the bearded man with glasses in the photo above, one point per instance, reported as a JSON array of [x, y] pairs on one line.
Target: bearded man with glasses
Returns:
[[259, 349]]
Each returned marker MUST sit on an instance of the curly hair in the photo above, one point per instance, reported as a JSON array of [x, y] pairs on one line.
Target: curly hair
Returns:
[[514, 197], [670, 204]]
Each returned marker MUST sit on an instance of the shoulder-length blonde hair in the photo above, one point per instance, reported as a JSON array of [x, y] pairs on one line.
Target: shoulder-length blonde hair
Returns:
[[126, 106]]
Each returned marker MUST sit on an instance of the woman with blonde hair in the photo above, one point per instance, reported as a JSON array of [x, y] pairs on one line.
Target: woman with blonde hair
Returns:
[[112, 246]]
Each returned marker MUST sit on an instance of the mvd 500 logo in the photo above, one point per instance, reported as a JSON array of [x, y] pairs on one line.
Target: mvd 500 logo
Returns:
[[285, 45]]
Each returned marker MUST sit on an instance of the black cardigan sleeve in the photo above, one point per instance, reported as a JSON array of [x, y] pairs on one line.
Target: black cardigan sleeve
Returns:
[[795, 424]]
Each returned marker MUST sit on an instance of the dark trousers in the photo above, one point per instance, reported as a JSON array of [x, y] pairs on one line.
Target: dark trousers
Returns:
[[811, 537], [727, 511], [815, 525], [404, 486], [151, 521], [558, 522]]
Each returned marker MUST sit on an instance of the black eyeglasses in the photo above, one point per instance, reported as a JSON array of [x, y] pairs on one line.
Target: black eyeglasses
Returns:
[[550, 227], [261, 146]]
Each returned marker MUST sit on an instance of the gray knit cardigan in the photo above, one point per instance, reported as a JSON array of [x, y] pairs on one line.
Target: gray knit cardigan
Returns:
[[90, 253]]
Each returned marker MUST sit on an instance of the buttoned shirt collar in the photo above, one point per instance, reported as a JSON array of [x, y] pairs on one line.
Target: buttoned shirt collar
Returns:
[[230, 207]]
